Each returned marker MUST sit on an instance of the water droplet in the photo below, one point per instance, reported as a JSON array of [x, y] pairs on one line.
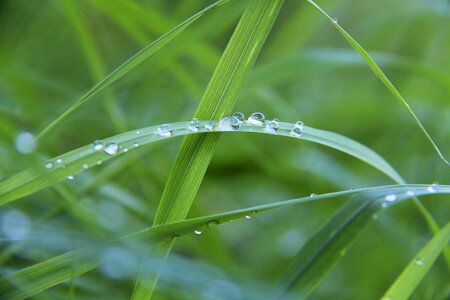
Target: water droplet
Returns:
[[391, 197], [240, 116], [97, 145], [298, 129], [59, 161], [138, 132], [384, 204], [312, 195], [125, 149], [165, 130], [212, 223], [111, 148], [209, 125], [229, 124], [272, 126], [433, 188], [70, 177], [410, 193], [194, 125], [419, 262], [248, 217], [256, 118], [99, 162], [25, 142], [135, 144], [335, 20], [85, 166], [49, 165], [197, 232]]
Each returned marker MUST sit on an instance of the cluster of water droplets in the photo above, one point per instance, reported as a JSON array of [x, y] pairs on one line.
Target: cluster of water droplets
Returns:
[[216, 222]]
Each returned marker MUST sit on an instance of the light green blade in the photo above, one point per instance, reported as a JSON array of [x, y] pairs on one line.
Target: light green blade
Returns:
[[412, 275], [39, 277], [130, 64], [72, 163], [379, 73]]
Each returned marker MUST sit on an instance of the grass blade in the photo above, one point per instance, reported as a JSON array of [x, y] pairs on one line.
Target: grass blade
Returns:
[[379, 73], [39, 277], [130, 64], [416, 270], [76, 161]]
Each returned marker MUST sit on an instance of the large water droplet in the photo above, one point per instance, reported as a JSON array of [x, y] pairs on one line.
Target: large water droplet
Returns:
[[49, 165], [272, 126], [164, 130], [433, 188], [297, 129], [111, 148], [209, 125], [197, 232], [25, 142], [97, 145], [194, 125], [240, 116], [391, 197], [256, 118], [229, 124]]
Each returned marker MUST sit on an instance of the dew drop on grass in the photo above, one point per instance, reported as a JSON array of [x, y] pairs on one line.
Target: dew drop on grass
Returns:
[[97, 145], [165, 130], [135, 144], [49, 165], [272, 126], [138, 132], [410, 193], [391, 197], [433, 188], [312, 195], [212, 223], [85, 166], [297, 129], [240, 116], [71, 177], [111, 148], [419, 262], [335, 20], [248, 217], [194, 125], [99, 162], [59, 161], [125, 149], [197, 232], [209, 125], [229, 124], [25, 142], [256, 118]]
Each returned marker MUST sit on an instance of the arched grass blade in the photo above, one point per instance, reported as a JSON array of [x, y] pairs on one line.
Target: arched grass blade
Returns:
[[379, 73], [78, 160], [39, 277], [416, 270], [325, 249], [130, 64]]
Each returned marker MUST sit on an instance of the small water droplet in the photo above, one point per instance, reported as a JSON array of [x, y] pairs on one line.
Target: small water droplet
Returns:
[[135, 144], [335, 20], [99, 162], [165, 130], [248, 217], [194, 125], [297, 129], [410, 193], [70, 177], [85, 166], [197, 232], [209, 125], [433, 188], [256, 118], [125, 149], [272, 126], [97, 145], [111, 148], [229, 124], [312, 195], [25, 142], [419, 262], [391, 197], [240, 116], [49, 165], [59, 161], [212, 223], [384, 204], [138, 132]]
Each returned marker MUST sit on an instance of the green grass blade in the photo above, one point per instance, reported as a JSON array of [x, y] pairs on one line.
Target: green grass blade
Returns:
[[416, 270], [379, 73], [39, 277], [326, 248], [76, 161], [130, 64]]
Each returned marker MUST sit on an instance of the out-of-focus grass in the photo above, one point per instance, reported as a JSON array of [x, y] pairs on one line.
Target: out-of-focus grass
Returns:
[[306, 72]]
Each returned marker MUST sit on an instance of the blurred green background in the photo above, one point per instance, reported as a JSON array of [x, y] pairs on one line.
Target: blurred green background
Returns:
[[51, 52]]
